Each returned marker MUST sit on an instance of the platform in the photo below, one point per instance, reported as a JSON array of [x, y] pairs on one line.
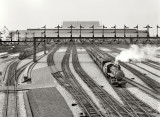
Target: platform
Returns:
[[48, 102]]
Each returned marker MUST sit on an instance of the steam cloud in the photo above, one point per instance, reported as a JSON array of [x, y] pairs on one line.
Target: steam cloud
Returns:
[[139, 53]]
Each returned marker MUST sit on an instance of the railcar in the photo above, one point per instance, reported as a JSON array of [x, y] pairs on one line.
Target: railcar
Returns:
[[111, 70]]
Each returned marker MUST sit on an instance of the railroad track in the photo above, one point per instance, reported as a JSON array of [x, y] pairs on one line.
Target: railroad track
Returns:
[[146, 69], [146, 90], [148, 62], [31, 66], [113, 107], [149, 81], [154, 65], [134, 105], [67, 85], [11, 106], [75, 89]]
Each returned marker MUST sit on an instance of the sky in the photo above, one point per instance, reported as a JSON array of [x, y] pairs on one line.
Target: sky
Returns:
[[23, 14]]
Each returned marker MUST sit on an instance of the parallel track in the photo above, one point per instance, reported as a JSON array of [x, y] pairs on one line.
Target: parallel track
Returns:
[[82, 98], [137, 107], [150, 63], [74, 92], [149, 81], [113, 107], [11, 105]]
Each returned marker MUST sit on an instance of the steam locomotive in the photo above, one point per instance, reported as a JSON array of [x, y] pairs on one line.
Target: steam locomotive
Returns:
[[28, 52], [111, 70]]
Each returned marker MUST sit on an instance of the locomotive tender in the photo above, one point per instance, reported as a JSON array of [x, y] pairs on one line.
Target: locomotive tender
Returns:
[[28, 52], [111, 70]]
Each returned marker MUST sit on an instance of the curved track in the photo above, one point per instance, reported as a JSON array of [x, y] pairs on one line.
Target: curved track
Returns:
[[70, 88], [150, 63], [89, 108], [149, 81], [10, 107], [134, 105], [113, 107]]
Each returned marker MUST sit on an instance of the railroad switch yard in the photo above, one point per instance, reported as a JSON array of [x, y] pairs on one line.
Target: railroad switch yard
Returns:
[[75, 80], [80, 58]]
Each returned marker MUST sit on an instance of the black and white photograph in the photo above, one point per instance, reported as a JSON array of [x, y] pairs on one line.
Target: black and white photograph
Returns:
[[79, 58]]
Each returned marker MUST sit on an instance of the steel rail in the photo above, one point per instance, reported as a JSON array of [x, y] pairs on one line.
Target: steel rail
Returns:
[[149, 81], [142, 105], [90, 108], [106, 99]]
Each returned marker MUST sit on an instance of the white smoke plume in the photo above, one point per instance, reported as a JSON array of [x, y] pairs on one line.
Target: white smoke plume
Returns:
[[139, 53]]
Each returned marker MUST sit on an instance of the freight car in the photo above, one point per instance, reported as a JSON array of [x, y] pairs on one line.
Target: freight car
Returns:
[[111, 70]]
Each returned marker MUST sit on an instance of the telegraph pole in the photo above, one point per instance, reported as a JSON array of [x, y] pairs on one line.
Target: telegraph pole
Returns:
[[137, 32], [11, 36], [18, 35], [71, 27], [92, 30], [0, 38], [80, 31], [34, 50], [103, 32], [58, 30], [157, 30], [148, 27], [125, 30], [115, 33], [26, 36], [44, 39]]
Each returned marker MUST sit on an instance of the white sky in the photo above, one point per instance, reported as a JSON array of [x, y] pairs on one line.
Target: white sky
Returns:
[[23, 14]]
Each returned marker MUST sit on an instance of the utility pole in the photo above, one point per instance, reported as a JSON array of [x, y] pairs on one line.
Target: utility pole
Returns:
[[80, 31], [115, 33], [92, 30], [80, 35], [34, 50], [103, 32], [125, 30], [18, 35], [44, 39], [148, 27], [26, 36], [71, 27], [0, 38], [11, 36], [137, 32], [58, 27], [157, 30]]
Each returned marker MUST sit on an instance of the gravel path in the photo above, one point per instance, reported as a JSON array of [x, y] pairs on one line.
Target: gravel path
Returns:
[[76, 110], [2, 102], [43, 77], [21, 106], [48, 102]]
